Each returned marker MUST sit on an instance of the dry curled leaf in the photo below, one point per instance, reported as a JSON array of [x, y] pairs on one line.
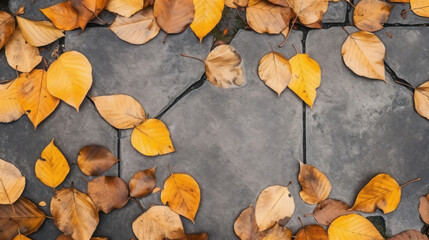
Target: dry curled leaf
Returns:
[[108, 193], [174, 16], [87, 10], [142, 183], [12, 182], [125, 8], [370, 15], [381, 192], [24, 215], [74, 213], [53, 168], [274, 204], [34, 97], [315, 185], [94, 160], [265, 17], [62, 15], [10, 108], [120, 111], [158, 222], [329, 210], [182, 194], [364, 54], [207, 15], [137, 29], [420, 7], [311, 232], [69, 78], [421, 100], [152, 138], [274, 69], [309, 11], [20, 55], [353, 227], [306, 76], [424, 208], [38, 33], [409, 235], [7, 26]]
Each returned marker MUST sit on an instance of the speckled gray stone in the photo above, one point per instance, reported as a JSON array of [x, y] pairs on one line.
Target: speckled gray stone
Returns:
[[154, 73], [337, 12], [359, 128]]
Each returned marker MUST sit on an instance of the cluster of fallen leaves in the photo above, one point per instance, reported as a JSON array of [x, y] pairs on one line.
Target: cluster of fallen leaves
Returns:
[[275, 207]]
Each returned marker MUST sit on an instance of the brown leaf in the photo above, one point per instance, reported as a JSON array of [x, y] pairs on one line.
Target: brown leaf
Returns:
[[197, 236], [329, 210], [265, 17], [87, 10], [10, 108], [62, 236], [62, 15], [94, 160], [142, 183], [421, 100], [23, 215], [275, 233], [409, 235], [370, 15], [245, 225], [315, 185], [309, 11], [282, 3], [313, 232], [74, 213], [424, 208], [108, 193], [7, 26], [20, 55], [12, 182], [174, 16]]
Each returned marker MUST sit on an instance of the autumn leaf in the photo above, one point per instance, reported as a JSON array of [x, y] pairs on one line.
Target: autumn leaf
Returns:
[[10, 108], [329, 210], [274, 204], [197, 236], [152, 138], [20, 55], [282, 3], [62, 236], [353, 227], [62, 15], [409, 235], [138, 29], [74, 213], [370, 15], [265, 17], [53, 168], [23, 217], [142, 183], [21, 237], [309, 11], [120, 111], [159, 222], [38, 33], [230, 3], [108, 193], [421, 100], [315, 185], [87, 10], [274, 69], [275, 233], [69, 78], [420, 7], [364, 54], [313, 232], [207, 15], [7, 26], [182, 194], [424, 208], [306, 76], [245, 225], [34, 97], [242, 3], [174, 16], [125, 8], [94, 160], [12, 182]]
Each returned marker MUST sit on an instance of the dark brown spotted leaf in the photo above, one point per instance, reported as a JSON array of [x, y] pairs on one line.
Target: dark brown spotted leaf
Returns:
[[94, 160], [142, 183]]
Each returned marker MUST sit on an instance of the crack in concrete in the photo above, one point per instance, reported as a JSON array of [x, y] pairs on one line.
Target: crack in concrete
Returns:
[[397, 79]]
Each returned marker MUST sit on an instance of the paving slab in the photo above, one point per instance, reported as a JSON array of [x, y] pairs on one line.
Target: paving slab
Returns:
[[359, 128], [407, 51], [234, 142], [154, 73], [21, 145], [337, 12]]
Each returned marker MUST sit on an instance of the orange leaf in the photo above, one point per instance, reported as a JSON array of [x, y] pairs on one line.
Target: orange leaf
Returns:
[[62, 15]]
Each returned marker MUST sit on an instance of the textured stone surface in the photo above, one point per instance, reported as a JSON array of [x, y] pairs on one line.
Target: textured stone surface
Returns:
[[337, 12], [359, 128], [234, 142], [154, 73]]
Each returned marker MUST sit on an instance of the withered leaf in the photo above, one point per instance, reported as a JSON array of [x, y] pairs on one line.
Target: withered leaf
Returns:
[[7, 26], [21, 237], [38, 33], [245, 225], [87, 10], [142, 183], [275, 233], [62, 236], [313, 232], [370, 15], [12, 182], [424, 208], [420, 7], [409, 235], [309, 11], [20, 55], [108, 193], [421, 100], [62, 15], [315, 185], [265, 17], [10, 108], [329, 210], [94, 160], [174, 16]]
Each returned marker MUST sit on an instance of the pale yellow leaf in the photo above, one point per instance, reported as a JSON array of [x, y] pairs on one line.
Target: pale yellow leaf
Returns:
[[38, 33], [353, 227], [20, 55], [421, 100], [370, 15], [124, 8], [12, 183], [274, 69], [265, 17], [420, 7]]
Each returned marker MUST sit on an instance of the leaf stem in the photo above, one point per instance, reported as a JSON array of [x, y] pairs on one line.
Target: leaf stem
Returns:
[[348, 1], [288, 185], [302, 223], [308, 214], [415, 180], [199, 59], [169, 168], [83, 179], [296, 50], [138, 203], [238, 13], [405, 84], [288, 33]]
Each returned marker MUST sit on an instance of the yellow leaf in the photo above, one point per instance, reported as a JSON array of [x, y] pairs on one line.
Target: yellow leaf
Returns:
[[12, 183], [38, 33], [207, 15], [421, 100], [370, 15], [306, 76], [353, 227], [265, 17], [174, 16], [182, 194], [34, 96], [274, 69], [138, 29], [21, 237], [152, 138], [20, 55], [276, 233], [309, 11], [53, 168], [7, 27], [364, 54], [381, 192], [62, 15], [315, 185], [10, 108], [124, 8], [274, 204], [420, 7], [69, 78]]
